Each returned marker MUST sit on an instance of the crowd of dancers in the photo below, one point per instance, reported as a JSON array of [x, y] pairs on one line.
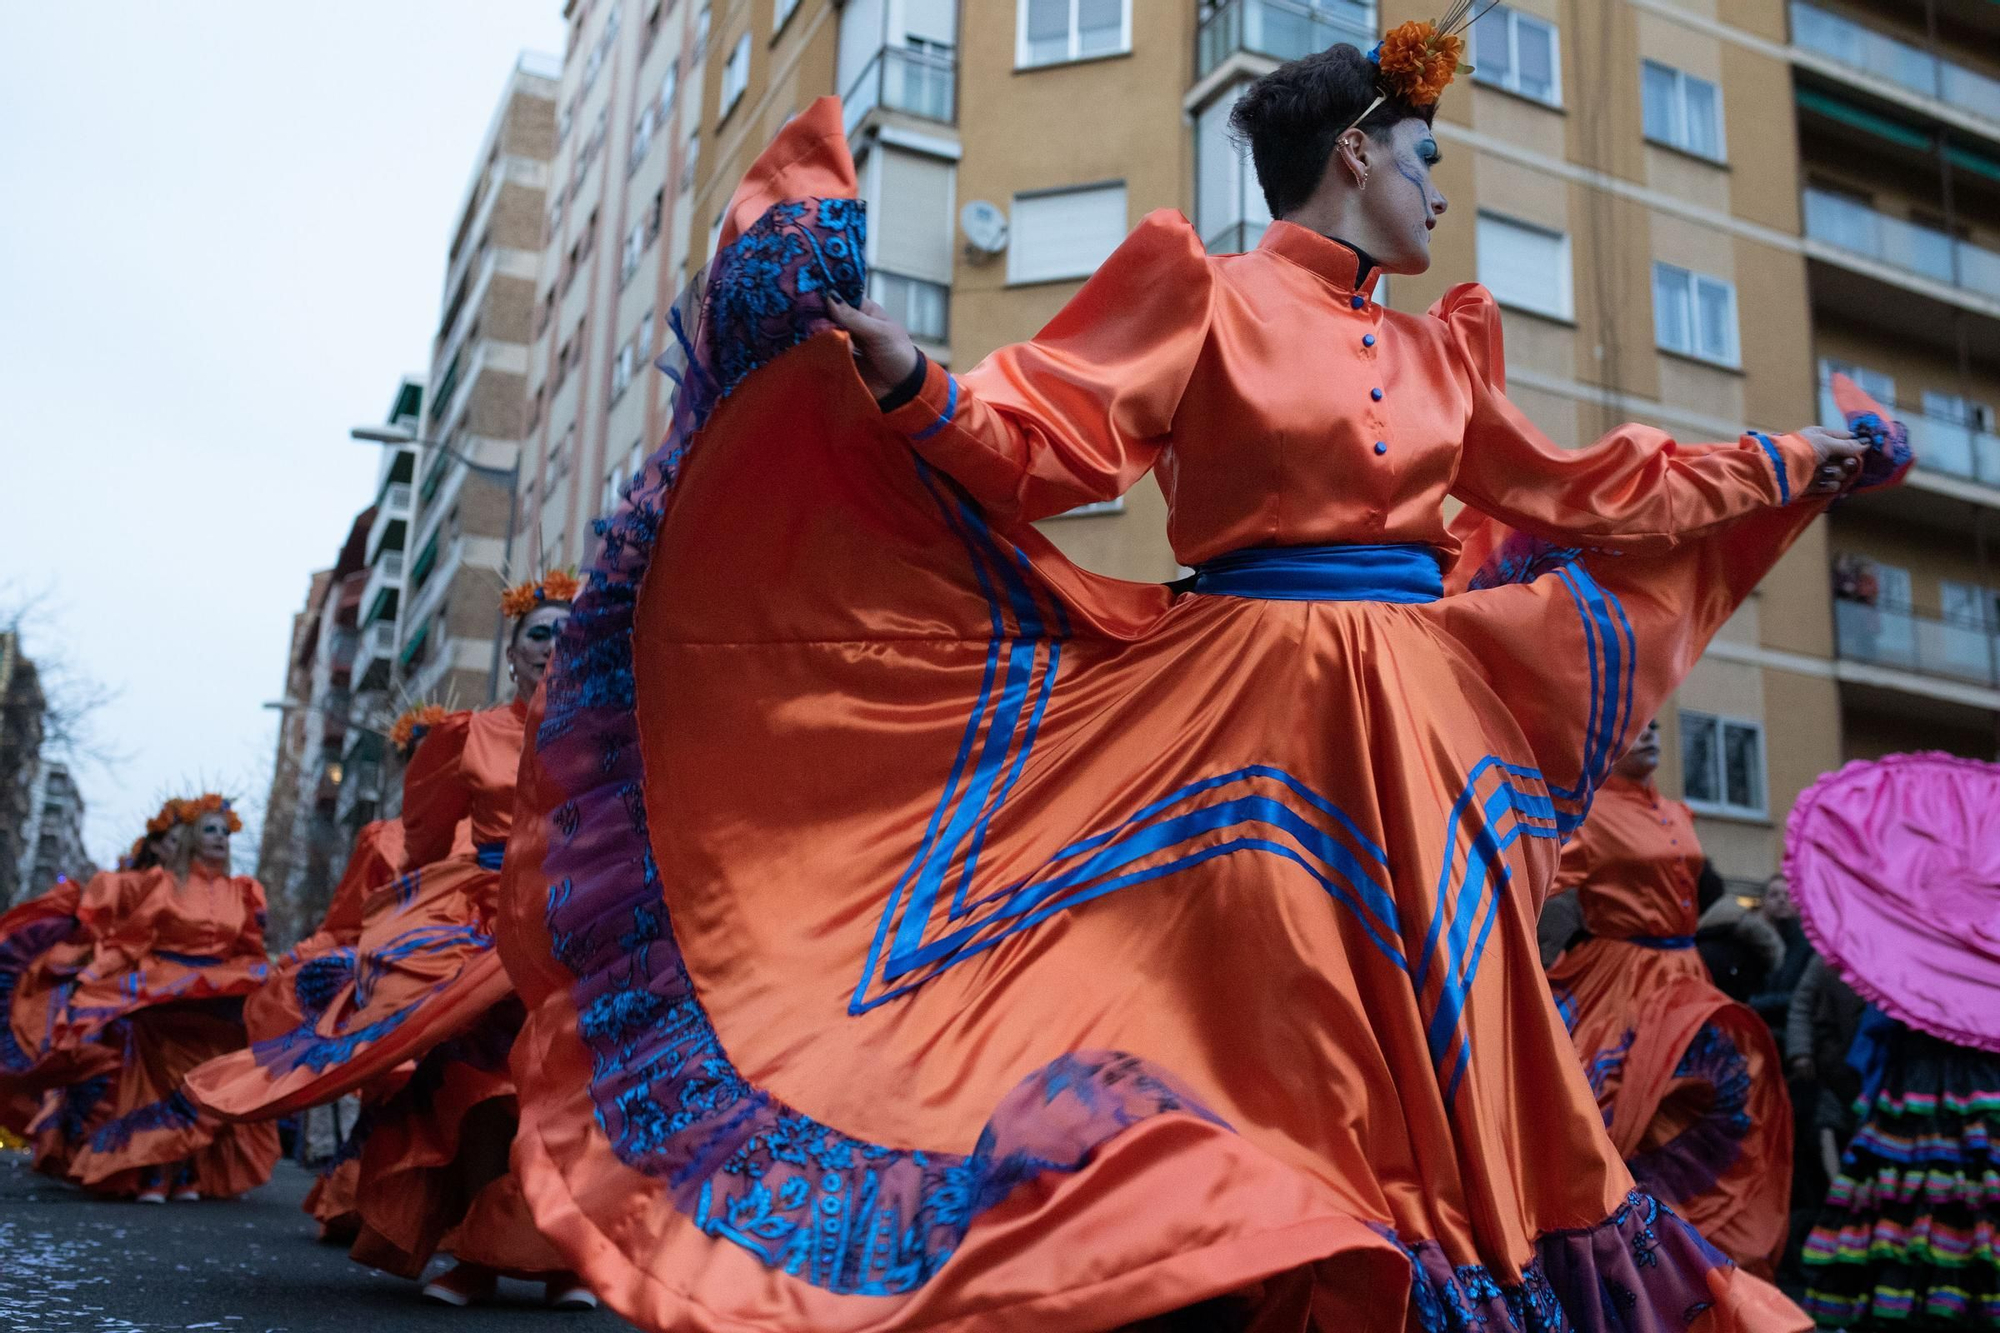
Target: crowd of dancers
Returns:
[[863, 918]]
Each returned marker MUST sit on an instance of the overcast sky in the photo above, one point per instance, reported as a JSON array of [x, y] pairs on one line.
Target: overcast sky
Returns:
[[222, 236]]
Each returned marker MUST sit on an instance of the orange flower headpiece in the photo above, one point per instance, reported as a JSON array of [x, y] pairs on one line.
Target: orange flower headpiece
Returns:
[[189, 811], [1419, 59], [558, 585], [413, 724]]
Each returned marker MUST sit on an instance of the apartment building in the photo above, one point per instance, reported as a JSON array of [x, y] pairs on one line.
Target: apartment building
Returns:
[[277, 851], [460, 528], [52, 842], [1691, 215]]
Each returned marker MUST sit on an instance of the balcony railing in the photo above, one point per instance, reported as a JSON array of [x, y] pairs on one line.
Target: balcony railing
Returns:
[[921, 83], [378, 650], [924, 308], [1281, 29], [1941, 445], [1894, 636], [396, 498], [1908, 67], [1847, 224]]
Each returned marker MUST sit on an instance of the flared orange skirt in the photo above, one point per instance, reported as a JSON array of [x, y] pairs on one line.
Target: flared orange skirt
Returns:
[[1690, 1087], [920, 932]]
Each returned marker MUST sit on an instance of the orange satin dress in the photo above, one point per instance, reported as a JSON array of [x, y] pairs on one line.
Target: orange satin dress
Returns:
[[1689, 1081], [170, 963], [304, 979], [43, 945], [920, 932]]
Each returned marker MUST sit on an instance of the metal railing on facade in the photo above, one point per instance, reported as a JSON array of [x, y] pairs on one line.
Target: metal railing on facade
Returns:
[[1848, 224], [1281, 29], [1909, 67], [917, 82], [1896, 636]]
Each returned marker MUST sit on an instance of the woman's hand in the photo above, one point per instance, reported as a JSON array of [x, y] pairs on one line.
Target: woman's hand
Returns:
[[1839, 454], [883, 352]]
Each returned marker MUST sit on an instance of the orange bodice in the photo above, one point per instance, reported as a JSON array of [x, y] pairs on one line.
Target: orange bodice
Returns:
[[464, 769], [1281, 406], [1634, 863], [136, 913]]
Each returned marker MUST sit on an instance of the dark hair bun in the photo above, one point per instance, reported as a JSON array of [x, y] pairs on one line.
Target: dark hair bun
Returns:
[[1293, 116]]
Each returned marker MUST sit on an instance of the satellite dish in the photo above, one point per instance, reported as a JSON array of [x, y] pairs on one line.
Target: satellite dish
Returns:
[[985, 228]]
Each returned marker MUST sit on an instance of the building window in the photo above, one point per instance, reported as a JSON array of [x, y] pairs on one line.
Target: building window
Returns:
[[642, 137], [628, 257], [1518, 52], [781, 14], [1722, 765], [703, 17], [1049, 32], [645, 337], [1695, 315], [1682, 111], [735, 76], [1060, 234], [614, 482], [1525, 267], [921, 307], [621, 371], [715, 234]]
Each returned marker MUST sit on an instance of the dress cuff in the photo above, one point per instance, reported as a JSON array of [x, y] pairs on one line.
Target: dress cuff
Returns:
[[930, 410], [906, 390], [1793, 461]]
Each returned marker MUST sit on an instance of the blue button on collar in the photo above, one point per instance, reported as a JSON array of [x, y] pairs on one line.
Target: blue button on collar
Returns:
[[1376, 394], [1381, 446], [1367, 340], [1357, 301]]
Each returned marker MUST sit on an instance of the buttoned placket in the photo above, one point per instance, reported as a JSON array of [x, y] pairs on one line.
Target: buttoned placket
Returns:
[[1374, 415]]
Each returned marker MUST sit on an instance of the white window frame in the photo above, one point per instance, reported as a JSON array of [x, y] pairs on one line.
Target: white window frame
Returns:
[[1762, 810], [735, 77], [1024, 60], [1514, 18], [1732, 356], [1014, 276], [1680, 140], [1565, 286]]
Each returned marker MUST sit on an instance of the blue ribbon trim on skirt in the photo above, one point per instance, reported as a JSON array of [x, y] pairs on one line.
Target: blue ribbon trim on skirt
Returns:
[[1356, 573], [489, 854]]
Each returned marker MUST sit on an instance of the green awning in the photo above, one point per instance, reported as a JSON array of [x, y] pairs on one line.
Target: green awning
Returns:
[[422, 569], [414, 646], [1861, 118], [384, 605]]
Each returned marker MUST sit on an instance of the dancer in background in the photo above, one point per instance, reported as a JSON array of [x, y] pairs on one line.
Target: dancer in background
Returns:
[[174, 949], [1688, 1080], [432, 1172], [1895, 869], [921, 932], [304, 980]]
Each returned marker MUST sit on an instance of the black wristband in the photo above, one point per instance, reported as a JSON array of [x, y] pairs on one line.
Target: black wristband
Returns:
[[911, 385]]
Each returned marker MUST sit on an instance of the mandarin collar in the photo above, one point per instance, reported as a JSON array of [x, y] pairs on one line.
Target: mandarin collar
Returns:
[[1330, 259]]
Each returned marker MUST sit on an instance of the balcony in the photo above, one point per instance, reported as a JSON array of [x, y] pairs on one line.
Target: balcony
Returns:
[[1910, 68], [1899, 638], [1280, 29], [360, 792], [924, 308], [918, 83], [375, 655], [1951, 447], [1849, 225]]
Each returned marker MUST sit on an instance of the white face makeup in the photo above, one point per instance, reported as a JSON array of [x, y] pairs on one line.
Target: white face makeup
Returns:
[[533, 644]]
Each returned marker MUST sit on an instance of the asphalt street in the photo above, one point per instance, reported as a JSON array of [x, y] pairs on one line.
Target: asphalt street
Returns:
[[69, 1262]]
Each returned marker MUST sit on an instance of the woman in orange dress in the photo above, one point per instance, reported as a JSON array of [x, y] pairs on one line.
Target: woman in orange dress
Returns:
[[173, 951], [918, 931], [1688, 1080], [304, 980], [427, 987]]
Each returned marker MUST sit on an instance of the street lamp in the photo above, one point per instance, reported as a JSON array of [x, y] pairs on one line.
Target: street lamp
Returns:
[[509, 477]]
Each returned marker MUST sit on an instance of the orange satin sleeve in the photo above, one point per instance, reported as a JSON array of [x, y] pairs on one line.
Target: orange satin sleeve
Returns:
[[435, 795], [1080, 412], [1635, 490], [251, 940], [118, 934]]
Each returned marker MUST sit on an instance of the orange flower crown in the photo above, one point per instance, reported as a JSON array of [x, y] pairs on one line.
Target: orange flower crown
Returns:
[[1419, 59], [414, 723], [177, 810], [558, 585]]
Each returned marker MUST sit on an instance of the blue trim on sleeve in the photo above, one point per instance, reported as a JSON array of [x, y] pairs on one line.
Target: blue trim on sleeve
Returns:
[[950, 410], [1777, 465]]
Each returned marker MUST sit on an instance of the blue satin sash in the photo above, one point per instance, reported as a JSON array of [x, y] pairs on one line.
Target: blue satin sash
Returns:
[[1402, 573], [489, 854], [1661, 941]]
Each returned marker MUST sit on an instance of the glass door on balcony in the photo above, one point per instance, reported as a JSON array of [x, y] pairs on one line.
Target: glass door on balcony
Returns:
[[1895, 630], [1971, 615]]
